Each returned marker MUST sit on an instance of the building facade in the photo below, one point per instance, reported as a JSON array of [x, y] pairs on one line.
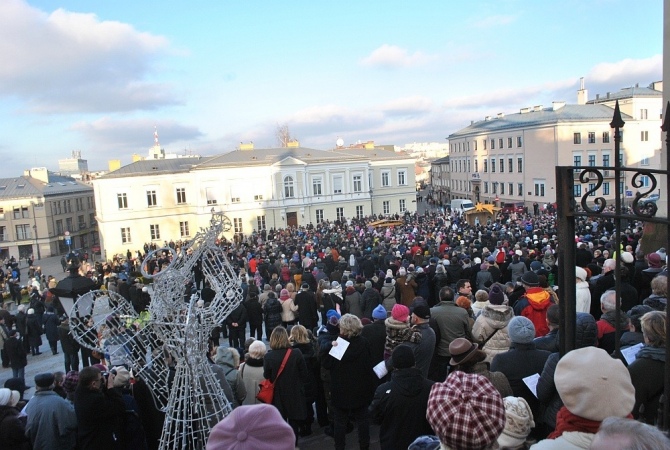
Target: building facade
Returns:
[[160, 200], [440, 180], [40, 210], [511, 158]]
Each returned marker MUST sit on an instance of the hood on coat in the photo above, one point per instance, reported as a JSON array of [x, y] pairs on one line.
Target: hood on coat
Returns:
[[586, 330], [538, 299], [407, 381], [390, 322], [497, 315], [224, 357]]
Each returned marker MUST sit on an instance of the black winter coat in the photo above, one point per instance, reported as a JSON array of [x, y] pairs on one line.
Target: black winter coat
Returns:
[[21, 325], [13, 429], [99, 418], [238, 316], [375, 333], [647, 374], [272, 311], [308, 315], [289, 394], [399, 406], [34, 331], [16, 353], [254, 311], [50, 322], [352, 378], [67, 341], [371, 299]]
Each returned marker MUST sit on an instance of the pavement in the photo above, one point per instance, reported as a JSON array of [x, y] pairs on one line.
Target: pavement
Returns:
[[46, 362]]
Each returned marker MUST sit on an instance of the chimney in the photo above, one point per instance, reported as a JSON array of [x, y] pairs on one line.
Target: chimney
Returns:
[[524, 110], [249, 146], [501, 115], [582, 93], [608, 95], [487, 118], [555, 106], [537, 108]]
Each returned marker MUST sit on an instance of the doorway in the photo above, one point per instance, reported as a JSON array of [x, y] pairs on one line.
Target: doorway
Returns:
[[292, 219]]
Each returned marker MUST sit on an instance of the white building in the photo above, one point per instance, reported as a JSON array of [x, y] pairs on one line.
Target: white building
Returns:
[[163, 199], [512, 158]]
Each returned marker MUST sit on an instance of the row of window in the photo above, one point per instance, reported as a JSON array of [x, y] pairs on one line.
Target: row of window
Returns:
[[591, 135], [465, 146], [463, 165], [22, 233], [577, 189], [338, 183]]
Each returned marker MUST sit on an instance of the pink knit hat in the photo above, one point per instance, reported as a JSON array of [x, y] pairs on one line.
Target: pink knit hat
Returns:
[[250, 427], [400, 313]]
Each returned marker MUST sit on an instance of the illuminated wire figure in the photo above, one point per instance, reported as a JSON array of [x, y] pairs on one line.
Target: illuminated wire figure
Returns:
[[166, 347]]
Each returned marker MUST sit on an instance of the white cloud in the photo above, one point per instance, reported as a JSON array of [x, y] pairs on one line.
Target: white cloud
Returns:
[[74, 62], [393, 57], [134, 134], [408, 106]]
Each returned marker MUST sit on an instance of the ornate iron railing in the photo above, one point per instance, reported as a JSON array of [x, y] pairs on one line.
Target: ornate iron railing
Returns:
[[645, 182]]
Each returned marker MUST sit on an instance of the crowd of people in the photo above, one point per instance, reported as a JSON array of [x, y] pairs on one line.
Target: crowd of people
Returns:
[[443, 333]]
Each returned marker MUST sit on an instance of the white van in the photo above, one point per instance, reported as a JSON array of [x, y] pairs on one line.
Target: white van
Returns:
[[462, 205]]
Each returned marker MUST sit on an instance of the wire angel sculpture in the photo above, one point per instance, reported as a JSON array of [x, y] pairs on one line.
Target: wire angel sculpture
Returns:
[[166, 346]]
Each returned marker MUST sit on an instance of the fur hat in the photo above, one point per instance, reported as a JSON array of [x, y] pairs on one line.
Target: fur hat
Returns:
[[400, 312], [521, 330], [593, 385], [496, 296], [379, 313], [518, 422], [580, 273], [403, 357], [466, 411], [251, 427], [530, 279]]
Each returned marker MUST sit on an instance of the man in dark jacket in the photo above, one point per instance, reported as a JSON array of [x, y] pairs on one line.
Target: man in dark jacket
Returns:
[[69, 345], [16, 354], [22, 327], [549, 342], [371, 299], [399, 405], [375, 333], [237, 324], [100, 411], [308, 315]]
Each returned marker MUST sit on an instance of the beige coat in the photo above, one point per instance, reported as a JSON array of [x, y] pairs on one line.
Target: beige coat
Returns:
[[492, 318]]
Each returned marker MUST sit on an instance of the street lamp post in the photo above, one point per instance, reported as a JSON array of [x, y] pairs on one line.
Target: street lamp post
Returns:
[[37, 244]]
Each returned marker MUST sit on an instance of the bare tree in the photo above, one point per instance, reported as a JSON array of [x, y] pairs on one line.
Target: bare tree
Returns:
[[283, 135]]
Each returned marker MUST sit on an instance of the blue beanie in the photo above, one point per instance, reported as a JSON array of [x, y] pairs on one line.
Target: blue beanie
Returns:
[[379, 313], [331, 313], [521, 330]]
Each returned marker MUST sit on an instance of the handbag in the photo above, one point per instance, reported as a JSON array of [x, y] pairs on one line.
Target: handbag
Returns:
[[267, 387], [483, 343]]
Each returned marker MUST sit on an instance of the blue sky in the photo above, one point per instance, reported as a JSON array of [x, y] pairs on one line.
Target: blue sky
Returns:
[[98, 76]]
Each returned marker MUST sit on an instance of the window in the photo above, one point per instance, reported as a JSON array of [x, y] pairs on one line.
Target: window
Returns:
[[606, 160], [539, 188], [577, 190], [502, 165], [621, 187], [606, 137], [235, 199], [509, 142], [386, 178], [493, 165], [402, 205], [81, 221], [151, 198], [592, 160], [68, 223], [260, 222], [494, 185], [486, 165], [644, 180], [510, 188], [500, 143], [476, 166], [2, 213], [519, 189], [181, 196], [402, 177], [643, 114], [475, 141], [518, 141], [183, 229], [316, 186], [59, 226], [493, 144], [358, 182], [510, 165], [17, 213], [606, 188], [339, 213], [237, 224], [577, 138], [359, 211], [644, 136], [258, 197], [519, 164], [319, 215], [155, 232], [386, 207], [22, 232], [210, 193], [468, 166], [484, 143], [91, 219], [125, 235], [486, 187], [644, 161], [592, 189], [288, 187], [502, 188], [592, 137], [337, 184], [121, 199], [3, 234]]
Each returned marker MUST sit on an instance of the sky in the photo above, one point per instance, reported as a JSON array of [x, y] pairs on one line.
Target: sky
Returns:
[[99, 77]]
